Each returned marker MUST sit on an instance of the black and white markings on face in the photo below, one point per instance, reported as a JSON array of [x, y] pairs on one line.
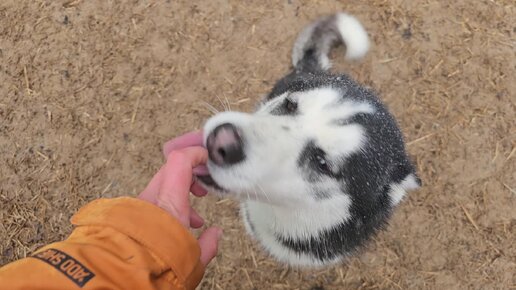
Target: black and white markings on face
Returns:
[[321, 103], [325, 122], [314, 162]]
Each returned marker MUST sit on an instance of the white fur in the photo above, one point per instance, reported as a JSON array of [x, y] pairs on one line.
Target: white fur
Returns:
[[354, 36]]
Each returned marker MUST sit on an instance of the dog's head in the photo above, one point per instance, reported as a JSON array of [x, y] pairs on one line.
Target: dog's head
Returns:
[[314, 137]]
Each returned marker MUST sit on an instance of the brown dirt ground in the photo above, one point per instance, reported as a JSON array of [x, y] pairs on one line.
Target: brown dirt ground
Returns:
[[90, 90]]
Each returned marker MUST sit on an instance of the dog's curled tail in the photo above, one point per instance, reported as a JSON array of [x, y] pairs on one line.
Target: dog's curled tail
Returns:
[[311, 49]]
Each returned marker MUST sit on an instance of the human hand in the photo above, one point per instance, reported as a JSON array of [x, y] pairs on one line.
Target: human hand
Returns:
[[191, 139], [170, 187]]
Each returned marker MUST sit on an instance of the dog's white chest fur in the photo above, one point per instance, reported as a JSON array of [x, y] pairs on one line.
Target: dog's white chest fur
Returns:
[[267, 223]]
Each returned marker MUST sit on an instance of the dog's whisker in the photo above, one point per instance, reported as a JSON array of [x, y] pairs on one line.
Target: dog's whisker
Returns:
[[227, 102], [264, 193], [210, 107], [224, 107], [247, 194]]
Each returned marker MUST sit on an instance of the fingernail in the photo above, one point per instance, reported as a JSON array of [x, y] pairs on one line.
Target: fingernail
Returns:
[[201, 170]]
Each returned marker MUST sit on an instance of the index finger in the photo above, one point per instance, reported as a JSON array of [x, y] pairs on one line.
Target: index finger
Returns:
[[194, 138], [178, 177]]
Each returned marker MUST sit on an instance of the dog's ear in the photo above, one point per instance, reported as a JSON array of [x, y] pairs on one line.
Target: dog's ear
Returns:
[[403, 171], [311, 49]]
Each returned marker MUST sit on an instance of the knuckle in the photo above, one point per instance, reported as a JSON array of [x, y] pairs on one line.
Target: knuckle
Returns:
[[177, 156]]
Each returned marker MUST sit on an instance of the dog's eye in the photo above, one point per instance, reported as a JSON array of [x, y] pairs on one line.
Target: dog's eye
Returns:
[[322, 164], [290, 105]]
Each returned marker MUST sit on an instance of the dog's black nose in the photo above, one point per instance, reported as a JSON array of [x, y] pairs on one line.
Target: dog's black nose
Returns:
[[225, 145]]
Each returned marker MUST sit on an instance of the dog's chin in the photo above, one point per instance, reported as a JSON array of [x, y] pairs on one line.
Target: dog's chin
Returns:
[[210, 184]]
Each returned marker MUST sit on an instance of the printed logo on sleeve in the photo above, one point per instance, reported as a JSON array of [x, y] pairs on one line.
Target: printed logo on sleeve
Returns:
[[67, 265]]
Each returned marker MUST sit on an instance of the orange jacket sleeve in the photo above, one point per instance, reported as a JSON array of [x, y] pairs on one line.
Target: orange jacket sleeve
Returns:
[[120, 243]]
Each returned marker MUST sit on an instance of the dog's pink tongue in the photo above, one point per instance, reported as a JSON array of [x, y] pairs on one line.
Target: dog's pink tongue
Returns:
[[187, 140]]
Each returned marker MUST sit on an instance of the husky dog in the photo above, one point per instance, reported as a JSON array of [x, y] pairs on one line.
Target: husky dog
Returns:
[[321, 164]]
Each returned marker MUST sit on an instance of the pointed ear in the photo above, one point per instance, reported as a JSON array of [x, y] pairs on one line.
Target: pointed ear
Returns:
[[405, 175]]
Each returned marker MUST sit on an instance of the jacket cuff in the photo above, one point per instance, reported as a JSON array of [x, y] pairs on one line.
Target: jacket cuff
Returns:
[[153, 228]]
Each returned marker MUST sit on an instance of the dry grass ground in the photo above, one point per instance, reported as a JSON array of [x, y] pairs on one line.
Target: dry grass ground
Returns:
[[91, 89]]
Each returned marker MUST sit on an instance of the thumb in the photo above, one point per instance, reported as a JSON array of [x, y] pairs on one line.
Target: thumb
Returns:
[[209, 242]]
